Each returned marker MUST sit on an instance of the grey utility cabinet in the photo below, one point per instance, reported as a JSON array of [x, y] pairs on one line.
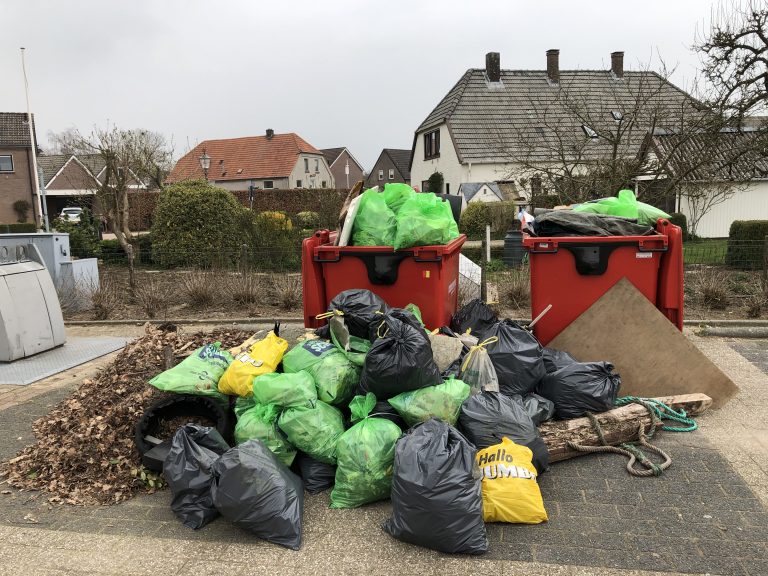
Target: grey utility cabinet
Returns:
[[30, 314]]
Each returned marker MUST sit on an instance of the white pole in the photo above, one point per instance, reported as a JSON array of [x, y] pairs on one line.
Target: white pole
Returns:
[[43, 222], [487, 242]]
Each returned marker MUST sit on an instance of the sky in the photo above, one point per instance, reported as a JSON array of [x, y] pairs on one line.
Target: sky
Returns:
[[359, 74]]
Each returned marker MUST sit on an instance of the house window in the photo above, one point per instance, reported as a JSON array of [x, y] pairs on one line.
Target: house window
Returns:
[[269, 184], [6, 163], [432, 144], [306, 164], [298, 183], [391, 173], [317, 165], [381, 174], [447, 188], [323, 184]]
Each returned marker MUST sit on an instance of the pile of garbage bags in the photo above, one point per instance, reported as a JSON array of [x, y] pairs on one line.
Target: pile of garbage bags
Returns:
[[373, 406], [401, 217]]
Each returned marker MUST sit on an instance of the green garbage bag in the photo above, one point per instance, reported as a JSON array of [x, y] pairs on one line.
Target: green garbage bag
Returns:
[[353, 347], [366, 455], [416, 311], [198, 373], [375, 223], [396, 194], [259, 422], [242, 404], [336, 377], [314, 429], [442, 401], [624, 205], [285, 390], [425, 220]]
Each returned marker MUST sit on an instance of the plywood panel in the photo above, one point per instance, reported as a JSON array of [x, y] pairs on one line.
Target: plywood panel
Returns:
[[651, 355]]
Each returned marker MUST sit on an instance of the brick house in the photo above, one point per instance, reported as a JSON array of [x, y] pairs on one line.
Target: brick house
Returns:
[[393, 165], [338, 159], [282, 161], [17, 180]]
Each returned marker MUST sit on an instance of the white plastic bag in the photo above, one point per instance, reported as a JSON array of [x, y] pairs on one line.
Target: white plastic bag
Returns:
[[478, 370]]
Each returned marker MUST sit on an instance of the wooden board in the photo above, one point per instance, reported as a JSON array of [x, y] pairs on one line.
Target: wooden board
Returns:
[[651, 355]]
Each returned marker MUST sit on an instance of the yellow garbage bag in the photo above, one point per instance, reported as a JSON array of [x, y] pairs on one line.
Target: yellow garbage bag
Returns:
[[260, 358], [510, 491]]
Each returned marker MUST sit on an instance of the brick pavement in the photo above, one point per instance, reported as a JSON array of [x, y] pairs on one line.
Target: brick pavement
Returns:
[[701, 516]]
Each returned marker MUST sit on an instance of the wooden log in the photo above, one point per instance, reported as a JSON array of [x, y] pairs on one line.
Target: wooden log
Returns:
[[619, 425]]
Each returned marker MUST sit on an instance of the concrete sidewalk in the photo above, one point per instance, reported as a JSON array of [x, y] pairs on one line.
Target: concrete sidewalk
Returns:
[[706, 514]]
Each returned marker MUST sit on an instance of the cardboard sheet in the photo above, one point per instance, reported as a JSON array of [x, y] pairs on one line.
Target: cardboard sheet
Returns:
[[651, 355]]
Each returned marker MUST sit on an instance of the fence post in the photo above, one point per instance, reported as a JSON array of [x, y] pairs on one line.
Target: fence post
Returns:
[[483, 274], [487, 243], [243, 258], [765, 267]]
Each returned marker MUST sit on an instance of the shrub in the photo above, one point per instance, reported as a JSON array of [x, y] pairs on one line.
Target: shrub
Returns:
[[244, 288], [307, 220], [153, 297], [755, 303], [273, 242], [105, 299], [679, 219], [746, 241], [196, 224], [83, 235], [711, 289], [287, 290], [474, 219], [22, 208], [435, 183], [17, 228], [545, 201], [200, 287], [274, 221]]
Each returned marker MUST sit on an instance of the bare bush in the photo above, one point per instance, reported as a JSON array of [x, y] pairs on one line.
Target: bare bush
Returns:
[[468, 291], [514, 287], [286, 289], [153, 297], [711, 289], [200, 287], [245, 288], [755, 305], [72, 298], [105, 298]]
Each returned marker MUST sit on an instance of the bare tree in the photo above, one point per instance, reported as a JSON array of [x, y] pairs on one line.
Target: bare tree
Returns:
[[734, 56], [131, 159]]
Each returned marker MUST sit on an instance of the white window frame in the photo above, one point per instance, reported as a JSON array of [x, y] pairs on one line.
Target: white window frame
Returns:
[[306, 165], [271, 184], [317, 166], [381, 174], [298, 183], [9, 156], [391, 173]]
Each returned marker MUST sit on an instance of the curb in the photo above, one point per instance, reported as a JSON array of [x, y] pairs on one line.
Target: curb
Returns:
[[759, 332], [182, 321]]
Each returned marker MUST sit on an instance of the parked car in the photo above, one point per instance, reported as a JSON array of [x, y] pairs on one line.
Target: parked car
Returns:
[[71, 214]]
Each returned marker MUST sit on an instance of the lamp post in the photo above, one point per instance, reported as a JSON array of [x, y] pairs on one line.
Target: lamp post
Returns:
[[346, 171], [205, 164]]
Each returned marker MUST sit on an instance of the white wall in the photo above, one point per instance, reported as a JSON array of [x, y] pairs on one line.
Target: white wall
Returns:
[[448, 164], [281, 183], [323, 173], [748, 204]]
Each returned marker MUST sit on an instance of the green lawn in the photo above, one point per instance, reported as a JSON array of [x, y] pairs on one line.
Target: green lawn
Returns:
[[705, 251]]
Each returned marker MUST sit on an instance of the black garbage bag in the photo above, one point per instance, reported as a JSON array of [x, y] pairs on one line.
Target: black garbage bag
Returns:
[[538, 408], [580, 388], [317, 476], [384, 409], [378, 327], [436, 491], [556, 359], [517, 357], [488, 417], [360, 308], [475, 315], [255, 491], [188, 469], [398, 361]]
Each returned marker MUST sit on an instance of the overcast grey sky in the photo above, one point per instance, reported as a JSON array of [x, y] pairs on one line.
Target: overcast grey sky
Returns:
[[338, 72]]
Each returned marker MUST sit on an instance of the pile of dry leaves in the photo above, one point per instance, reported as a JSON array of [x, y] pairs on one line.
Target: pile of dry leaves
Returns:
[[85, 452]]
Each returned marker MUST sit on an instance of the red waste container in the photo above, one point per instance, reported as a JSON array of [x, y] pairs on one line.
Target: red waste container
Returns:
[[427, 276], [572, 272]]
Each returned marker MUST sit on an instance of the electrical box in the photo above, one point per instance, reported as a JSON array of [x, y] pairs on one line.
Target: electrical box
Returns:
[[30, 314]]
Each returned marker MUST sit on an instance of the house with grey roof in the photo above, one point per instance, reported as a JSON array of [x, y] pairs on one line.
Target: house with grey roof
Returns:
[[392, 165], [17, 182], [729, 182], [346, 170], [493, 123], [481, 192]]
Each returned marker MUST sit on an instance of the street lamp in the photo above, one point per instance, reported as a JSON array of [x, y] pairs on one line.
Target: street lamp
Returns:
[[205, 163], [346, 171]]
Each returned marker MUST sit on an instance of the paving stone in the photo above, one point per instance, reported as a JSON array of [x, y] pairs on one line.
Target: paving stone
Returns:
[[630, 560], [722, 566], [494, 532], [588, 509], [569, 555], [559, 495], [642, 511], [755, 567], [612, 497], [516, 533], [510, 551], [738, 548]]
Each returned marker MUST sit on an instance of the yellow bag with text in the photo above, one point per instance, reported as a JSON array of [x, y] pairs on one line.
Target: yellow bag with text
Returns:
[[260, 358], [510, 491]]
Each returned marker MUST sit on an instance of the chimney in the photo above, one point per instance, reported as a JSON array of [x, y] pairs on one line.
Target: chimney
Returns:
[[553, 66], [493, 66], [617, 64], [270, 133]]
